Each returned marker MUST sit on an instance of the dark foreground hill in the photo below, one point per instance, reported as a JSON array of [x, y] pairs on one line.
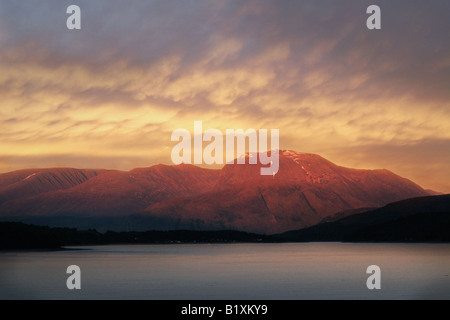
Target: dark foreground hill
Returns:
[[424, 219], [17, 235]]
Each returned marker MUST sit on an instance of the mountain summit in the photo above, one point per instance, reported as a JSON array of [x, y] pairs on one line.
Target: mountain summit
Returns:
[[306, 190]]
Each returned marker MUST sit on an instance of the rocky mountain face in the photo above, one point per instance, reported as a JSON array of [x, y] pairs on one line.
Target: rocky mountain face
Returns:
[[306, 190]]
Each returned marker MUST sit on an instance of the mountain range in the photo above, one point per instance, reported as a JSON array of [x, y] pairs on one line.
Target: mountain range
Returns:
[[307, 190]]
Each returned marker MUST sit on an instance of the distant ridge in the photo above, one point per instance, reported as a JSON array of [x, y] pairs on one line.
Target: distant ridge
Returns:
[[306, 190], [30, 182]]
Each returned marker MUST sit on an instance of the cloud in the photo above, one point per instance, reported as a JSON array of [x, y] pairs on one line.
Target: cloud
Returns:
[[138, 70]]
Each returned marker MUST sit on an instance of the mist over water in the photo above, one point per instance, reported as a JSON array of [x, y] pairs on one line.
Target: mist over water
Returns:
[[230, 271]]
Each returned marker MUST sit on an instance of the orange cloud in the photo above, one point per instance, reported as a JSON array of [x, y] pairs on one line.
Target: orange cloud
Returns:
[[114, 92]]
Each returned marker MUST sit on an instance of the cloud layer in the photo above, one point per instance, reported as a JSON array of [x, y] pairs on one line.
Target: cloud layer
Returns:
[[114, 91]]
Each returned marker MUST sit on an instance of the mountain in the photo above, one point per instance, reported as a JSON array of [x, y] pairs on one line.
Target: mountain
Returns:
[[433, 192], [30, 182], [114, 192], [306, 190], [422, 219]]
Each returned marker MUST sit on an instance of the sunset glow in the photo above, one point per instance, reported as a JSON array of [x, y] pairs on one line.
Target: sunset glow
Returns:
[[110, 95]]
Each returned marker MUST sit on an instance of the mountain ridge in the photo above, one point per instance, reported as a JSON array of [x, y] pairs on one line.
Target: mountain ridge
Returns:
[[307, 189]]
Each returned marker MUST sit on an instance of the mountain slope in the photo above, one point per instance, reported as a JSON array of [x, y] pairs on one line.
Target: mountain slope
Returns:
[[306, 190], [30, 182], [416, 219], [115, 192]]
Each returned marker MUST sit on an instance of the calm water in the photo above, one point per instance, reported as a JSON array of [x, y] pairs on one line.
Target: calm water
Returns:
[[230, 271]]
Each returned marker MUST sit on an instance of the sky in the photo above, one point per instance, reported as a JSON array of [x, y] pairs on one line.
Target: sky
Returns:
[[110, 94]]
